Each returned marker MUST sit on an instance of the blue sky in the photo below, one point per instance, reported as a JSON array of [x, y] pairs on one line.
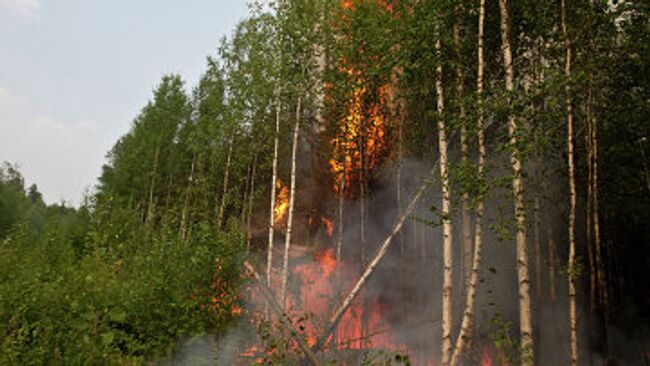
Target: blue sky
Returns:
[[74, 74]]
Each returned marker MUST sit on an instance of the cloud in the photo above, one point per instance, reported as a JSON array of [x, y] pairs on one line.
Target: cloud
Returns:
[[7, 100], [63, 159], [29, 10]]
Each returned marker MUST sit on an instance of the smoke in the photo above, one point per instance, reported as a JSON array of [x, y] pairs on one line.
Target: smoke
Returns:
[[399, 308], [198, 350]]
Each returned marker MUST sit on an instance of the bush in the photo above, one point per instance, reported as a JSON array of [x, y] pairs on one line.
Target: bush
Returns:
[[117, 301]]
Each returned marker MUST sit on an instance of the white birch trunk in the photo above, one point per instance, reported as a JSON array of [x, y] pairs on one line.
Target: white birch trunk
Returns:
[[274, 177], [150, 207], [186, 203], [372, 265], [525, 318], [226, 175], [447, 305], [292, 195], [466, 263], [572, 190], [251, 197], [467, 323]]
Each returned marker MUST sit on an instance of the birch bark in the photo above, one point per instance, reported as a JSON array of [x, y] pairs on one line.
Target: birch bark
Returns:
[[465, 334], [447, 305], [226, 176], [292, 198], [274, 177], [525, 319]]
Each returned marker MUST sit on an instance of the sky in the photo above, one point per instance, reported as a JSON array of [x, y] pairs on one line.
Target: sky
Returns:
[[75, 73]]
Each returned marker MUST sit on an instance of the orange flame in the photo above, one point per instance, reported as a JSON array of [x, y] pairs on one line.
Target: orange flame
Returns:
[[329, 225], [281, 203], [360, 140], [221, 300]]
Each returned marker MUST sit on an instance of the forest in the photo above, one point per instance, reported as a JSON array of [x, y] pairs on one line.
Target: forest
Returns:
[[360, 182]]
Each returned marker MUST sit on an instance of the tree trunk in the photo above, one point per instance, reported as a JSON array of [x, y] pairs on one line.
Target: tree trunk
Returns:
[[152, 186], [186, 203], [362, 214], [339, 236], [602, 283], [339, 241], [572, 191], [274, 177], [525, 321], [168, 197], [447, 306], [244, 199], [226, 175], [372, 265], [552, 263], [538, 250], [398, 182], [292, 195], [464, 337], [590, 204], [466, 263], [251, 197], [292, 332]]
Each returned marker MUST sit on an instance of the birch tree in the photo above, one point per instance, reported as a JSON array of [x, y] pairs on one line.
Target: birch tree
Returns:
[[292, 196], [468, 314], [466, 262], [572, 188], [525, 318], [274, 177], [446, 209], [226, 176]]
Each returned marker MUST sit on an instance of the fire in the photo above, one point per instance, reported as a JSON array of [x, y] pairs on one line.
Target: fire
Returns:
[[318, 293], [327, 261], [318, 281], [329, 225], [485, 359], [360, 140], [491, 353], [281, 203], [221, 300]]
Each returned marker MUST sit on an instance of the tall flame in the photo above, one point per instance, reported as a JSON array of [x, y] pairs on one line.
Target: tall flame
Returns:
[[281, 203], [358, 147], [360, 140], [318, 283]]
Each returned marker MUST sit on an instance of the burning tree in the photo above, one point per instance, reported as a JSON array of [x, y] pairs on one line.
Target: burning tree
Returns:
[[374, 88]]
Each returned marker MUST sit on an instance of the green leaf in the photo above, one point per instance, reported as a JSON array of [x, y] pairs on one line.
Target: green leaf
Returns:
[[117, 315]]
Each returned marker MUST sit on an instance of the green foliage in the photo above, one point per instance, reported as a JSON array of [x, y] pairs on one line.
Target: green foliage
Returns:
[[77, 285], [144, 159], [16, 205], [147, 259], [504, 340], [384, 358]]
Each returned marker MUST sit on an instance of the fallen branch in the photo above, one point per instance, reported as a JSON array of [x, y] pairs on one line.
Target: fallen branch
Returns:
[[334, 320], [294, 334]]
